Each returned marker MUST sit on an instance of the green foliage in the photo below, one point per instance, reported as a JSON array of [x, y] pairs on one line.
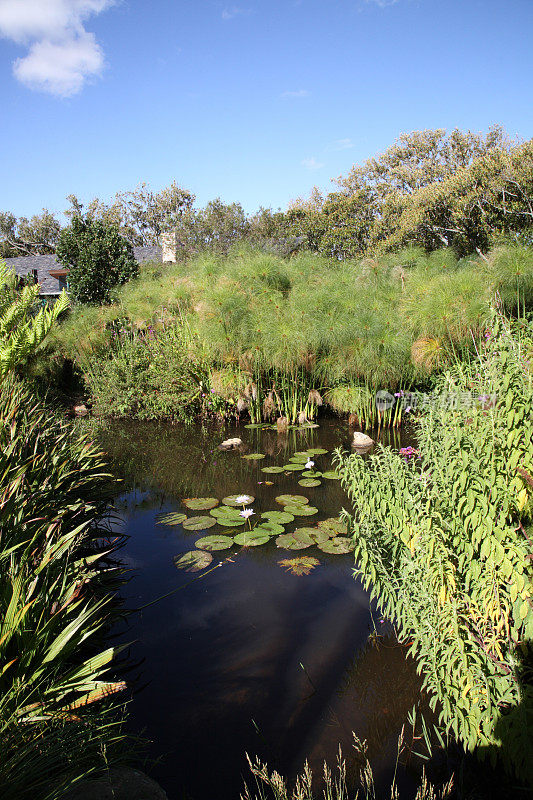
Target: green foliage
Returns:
[[22, 327], [28, 237], [149, 376], [55, 603], [272, 331], [461, 190], [442, 545], [98, 259]]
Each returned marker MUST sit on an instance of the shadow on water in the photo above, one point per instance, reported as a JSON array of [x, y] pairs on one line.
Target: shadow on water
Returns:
[[249, 658]]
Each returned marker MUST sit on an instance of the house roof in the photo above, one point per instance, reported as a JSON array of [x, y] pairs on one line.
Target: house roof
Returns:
[[49, 270]]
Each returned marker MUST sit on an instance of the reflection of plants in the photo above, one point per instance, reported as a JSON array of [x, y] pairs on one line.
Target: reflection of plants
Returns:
[[302, 565], [444, 548]]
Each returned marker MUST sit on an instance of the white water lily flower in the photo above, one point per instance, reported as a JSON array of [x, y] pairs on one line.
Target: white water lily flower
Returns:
[[243, 500], [247, 512], [309, 464]]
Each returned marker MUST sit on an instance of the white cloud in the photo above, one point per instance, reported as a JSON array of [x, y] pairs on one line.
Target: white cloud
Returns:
[[382, 3], [297, 93], [312, 163], [235, 11], [341, 144], [62, 55]]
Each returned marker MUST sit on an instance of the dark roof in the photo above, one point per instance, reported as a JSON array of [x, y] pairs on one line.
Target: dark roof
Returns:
[[24, 265]]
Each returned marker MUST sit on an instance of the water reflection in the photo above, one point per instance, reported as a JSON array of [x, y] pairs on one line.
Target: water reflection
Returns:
[[250, 658]]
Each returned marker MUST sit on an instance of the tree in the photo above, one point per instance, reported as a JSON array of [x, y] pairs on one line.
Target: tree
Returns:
[[21, 329], [416, 192], [98, 258], [28, 237]]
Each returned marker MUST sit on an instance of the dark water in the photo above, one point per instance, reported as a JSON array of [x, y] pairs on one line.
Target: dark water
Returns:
[[248, 658]]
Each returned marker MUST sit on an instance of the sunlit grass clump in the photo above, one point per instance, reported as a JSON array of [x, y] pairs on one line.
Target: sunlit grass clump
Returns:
[[270, 330]]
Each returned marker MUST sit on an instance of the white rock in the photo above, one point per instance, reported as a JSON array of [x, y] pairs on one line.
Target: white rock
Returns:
[[361, 440], [230, 444]]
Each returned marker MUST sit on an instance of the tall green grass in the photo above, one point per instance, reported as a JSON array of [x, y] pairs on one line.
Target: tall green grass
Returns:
[[293, 325]]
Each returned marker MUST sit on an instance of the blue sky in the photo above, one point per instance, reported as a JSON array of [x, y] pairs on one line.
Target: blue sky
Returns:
[[253, 100]]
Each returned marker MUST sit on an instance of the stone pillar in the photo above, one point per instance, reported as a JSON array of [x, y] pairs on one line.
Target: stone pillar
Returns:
[[168, 246]]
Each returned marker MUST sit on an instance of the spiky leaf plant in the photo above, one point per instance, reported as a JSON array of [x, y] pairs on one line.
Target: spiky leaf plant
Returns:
[[56, 602]]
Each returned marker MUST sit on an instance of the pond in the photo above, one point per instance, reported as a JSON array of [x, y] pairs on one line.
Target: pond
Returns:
[[247, 657]]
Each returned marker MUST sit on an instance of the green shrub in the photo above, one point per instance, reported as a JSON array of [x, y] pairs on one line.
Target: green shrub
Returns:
[[444, 547], [150, 375], [98, 258]]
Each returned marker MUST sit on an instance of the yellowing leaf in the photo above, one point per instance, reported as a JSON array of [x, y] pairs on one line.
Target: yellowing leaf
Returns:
[[302, 565]]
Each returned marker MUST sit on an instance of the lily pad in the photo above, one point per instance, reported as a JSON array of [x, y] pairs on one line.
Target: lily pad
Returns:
[[278, 517], [301, 565], [174, 518], [199, 523], [311, 473], [298, 457], [229, 521], [200, 503], [272, 470], [291, 498], [272, 528], [231, 500], [317, 451], [308, 483], [293, 467], [340, 544], [254, 456], [289, 542], [333, 524], [193, 561], [300, 510], [216, 542], [316, 535], [251, 539], [302, 453], [331, 475], [255, 425]]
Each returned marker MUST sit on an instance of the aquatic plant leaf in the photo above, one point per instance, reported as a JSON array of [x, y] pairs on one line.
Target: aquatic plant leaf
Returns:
[[272, 470], [311, 473], [200, 503], [293, 467], [254, 456], [229, 521], [299, 499], [340, 544], [199, 523], [296, 458], [317, 451], [307, 483], [269, 483], [215, 542], [311, 534], [289, 542], [306, 427], [255, 425], [300, 510], [231, 500], [173, 518], [302, 454], [272, 528], [301, 565], [193, 561], [278, 517], [331, 475], [333, 524], [251, 538]]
